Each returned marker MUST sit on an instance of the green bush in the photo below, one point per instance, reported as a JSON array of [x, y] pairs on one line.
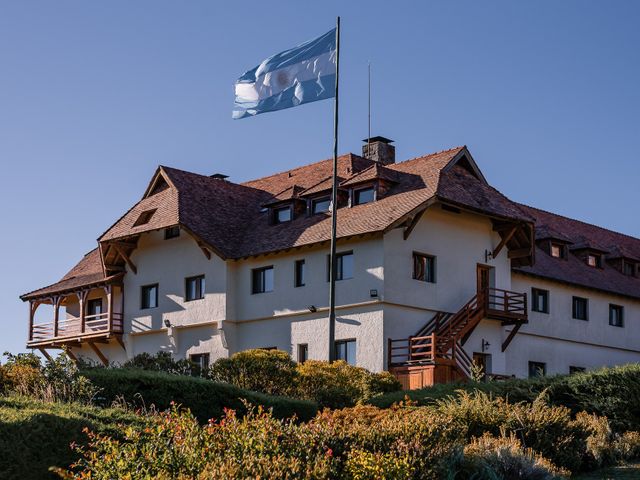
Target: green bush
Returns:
[[267, 371], [491, 458], [55, 380], [205, 398], [36, 435], [164, 362]]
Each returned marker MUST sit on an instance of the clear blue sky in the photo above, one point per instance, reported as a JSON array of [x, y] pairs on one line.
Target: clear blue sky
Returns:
[[94, 95]]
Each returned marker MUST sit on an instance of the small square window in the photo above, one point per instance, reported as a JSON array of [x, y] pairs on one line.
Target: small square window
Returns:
[[580, 308], [593, 260], [262, 280], [616, 315], [344, 266], [557, 250], [171, 232], [364, 195], [303, 352], [201, 360], [346, 350], [299, 277], [573, 369], [539, 300], [537, 369], [149, 296], [320, 205], [628, 268], [282, 214], [144, 217], [424, 267], [194, 288]]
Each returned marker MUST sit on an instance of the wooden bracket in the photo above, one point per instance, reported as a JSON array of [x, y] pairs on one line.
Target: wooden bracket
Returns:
[[71, 355], [504, 241], [120, 342], [100, 355], [44, 352], [126, 258], [205, 250], [512, 334], [412, 224]]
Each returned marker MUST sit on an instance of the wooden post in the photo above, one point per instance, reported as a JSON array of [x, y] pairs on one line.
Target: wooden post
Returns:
[[110, 307], [82, 298], [410, 357], [388, 352], [433, 347], [33, 304], [56, 314]]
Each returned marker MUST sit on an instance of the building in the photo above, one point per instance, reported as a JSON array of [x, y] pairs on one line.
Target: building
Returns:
[[436, 269]]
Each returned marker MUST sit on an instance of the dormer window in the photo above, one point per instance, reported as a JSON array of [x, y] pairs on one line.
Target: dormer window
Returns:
[[144, 217], [282, 214], [558, 250], [363, 195], [320, 205], [628, 268], [593, 260]]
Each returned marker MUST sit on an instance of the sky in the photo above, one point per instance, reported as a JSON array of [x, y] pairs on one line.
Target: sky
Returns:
[[95, 95]]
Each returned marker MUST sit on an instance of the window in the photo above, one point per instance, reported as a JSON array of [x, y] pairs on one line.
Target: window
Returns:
[[194, 288], [149, 296], [201, 360], [171, 232], [424, 267], [593, 260], [262, 280], [344, 266], [144, 217], [282, 214], [616, 315], [346, 350], [580, 308], [303, 352], [537, 369], [539, 300], [364, 195], [628, 268], [299, 273], [94, 307], [573, 369], [320, 205], [557, 250]]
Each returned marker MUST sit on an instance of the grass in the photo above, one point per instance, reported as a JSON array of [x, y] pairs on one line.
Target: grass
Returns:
[[622, 472], [35, 435]]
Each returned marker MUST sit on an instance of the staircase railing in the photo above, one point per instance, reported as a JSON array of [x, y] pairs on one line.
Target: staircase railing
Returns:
[[412, 350]]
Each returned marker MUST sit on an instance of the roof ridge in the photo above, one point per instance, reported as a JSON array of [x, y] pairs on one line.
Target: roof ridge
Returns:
[[421, 157], [579, 221]]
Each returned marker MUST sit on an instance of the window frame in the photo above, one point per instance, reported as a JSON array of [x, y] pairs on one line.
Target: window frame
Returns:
[[206, 356], [573, 369], [299, 267], [346, 342], [303, 347], [597, 260], [316, 201], [539, 366], [263, 283], [340, 266], [277, 210], [429, 273], [561, 250], [358, 191], [199, 290], [619, 308], [534, 304], [631, 272], [146, 288], [145, 217], [171, 232], [574, 309]]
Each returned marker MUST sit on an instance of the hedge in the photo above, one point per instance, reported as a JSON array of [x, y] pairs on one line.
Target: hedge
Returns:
[[608, 392], [206, 399]]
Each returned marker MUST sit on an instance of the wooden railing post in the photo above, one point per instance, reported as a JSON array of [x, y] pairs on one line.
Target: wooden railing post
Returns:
[[32, 311], [410, 356], [110, 307], [434, 350], [82, 298], [506, 301], [56, 315], [388, 352]]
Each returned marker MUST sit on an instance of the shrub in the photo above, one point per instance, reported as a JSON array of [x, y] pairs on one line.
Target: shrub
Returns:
[[205, 398], [490, 458], [363, 465], [268, 371], [602, 447], [628, 445], [164, 362], [56, 380]]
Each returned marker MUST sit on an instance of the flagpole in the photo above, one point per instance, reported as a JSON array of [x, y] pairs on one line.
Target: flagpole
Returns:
[[334, 209]]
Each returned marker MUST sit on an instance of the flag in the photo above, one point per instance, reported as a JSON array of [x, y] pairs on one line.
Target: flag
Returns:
[[302, 74]]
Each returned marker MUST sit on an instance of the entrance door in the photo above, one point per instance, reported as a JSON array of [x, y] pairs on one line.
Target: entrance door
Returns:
[[484, 278]]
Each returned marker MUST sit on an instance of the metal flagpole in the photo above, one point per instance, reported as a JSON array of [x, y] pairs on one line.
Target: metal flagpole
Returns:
[[334, 210]]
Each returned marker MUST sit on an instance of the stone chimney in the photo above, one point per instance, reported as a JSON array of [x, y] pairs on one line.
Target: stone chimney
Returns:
[[379, 149]]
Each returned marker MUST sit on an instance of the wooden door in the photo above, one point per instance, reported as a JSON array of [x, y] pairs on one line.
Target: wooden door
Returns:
[[484, 278]]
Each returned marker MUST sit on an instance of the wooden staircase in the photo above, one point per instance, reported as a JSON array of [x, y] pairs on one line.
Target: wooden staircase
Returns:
[[439, 343]]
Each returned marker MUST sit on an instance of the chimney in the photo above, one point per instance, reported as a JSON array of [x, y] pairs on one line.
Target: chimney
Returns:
[[379, 149]]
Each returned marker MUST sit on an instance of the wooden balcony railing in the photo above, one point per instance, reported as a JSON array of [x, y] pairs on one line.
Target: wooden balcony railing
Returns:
[[412, 350], [72, 327], [504, 304]]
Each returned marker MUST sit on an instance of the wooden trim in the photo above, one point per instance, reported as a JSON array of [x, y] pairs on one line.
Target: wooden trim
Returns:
[[100, 355], [503, 242], [519, 253], [412, 224], [511, 335], [125, 257]]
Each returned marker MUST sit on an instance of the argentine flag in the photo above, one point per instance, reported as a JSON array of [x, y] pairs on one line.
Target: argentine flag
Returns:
[[303, 74]]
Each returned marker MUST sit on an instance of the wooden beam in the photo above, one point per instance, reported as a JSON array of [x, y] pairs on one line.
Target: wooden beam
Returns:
[[126, 258], [44, 352], [521, 252], [503, 242], [100, 355], [412, 224], [120, 342], [512, 334], [71, 355], [205, 250]]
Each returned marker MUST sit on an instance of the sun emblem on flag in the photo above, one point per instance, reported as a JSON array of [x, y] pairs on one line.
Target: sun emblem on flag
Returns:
[[282, 78]]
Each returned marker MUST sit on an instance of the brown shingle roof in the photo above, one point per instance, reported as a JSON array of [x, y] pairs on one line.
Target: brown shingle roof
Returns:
[[574, 270]]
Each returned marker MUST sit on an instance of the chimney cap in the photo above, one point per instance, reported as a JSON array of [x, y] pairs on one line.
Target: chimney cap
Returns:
[[378, 138], [219, 176]]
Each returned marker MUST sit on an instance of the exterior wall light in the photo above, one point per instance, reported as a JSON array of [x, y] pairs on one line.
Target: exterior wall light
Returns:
[[167, 323], [312, 308], [373, 293], [485, 345]]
